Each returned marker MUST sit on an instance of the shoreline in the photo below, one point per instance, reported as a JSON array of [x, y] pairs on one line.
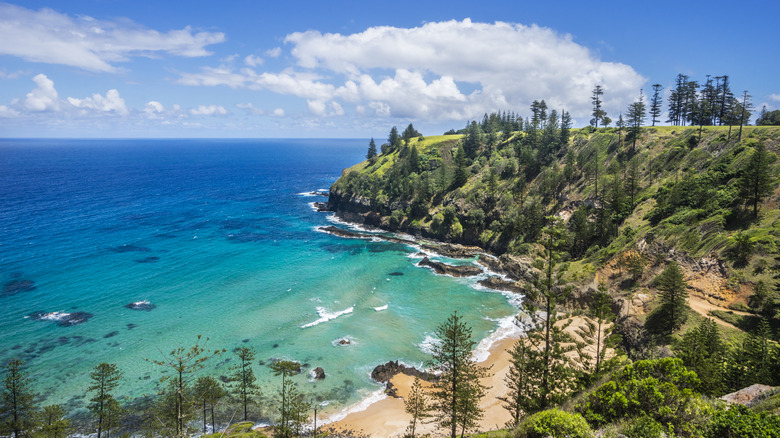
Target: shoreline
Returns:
[[381, 415]]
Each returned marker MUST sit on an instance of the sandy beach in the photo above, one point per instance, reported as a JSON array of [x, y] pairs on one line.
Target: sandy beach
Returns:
[[387, 417]]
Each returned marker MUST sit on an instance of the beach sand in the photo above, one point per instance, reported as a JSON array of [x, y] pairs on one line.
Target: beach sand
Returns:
[[387, 418]]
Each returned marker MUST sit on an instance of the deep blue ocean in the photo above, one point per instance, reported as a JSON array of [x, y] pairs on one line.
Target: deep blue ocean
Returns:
[[210, 237]]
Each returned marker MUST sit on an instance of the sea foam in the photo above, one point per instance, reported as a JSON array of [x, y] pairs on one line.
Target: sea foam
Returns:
[[381, 308], [326, 316], [360, 406], [507, 328]]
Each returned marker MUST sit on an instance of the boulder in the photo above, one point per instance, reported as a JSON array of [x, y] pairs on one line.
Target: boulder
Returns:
[[318, 373], [445, 269], [749, 396]]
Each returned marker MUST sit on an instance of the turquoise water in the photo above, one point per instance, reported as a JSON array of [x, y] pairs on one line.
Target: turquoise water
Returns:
[[219, 236]]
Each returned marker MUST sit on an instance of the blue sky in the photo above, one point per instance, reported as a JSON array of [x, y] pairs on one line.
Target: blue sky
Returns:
[[115, 68]]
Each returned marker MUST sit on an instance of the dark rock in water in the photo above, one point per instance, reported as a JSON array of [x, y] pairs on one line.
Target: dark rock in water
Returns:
[[383, 373], [318, 373], [396, 273], [14, 287], [130, 248], [445, 269], [141, 305], [498, 283], [276, 345], [261, 363], [62, 319], [63, 340], [245, 340], [344, 341], [150, 259], [16, 347], [131, 326], [321, 206], [110, 335]]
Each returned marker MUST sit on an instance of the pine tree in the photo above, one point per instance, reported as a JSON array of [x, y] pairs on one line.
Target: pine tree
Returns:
[[458, 390], [523, 379], [702, 350], [209, 392], [18, 411], [285, 368], [655, 104], [565, 128], [636, 117], [183, 363], [598, 113], [416, 404], [632, 182], [756, 181], [53, 422], [371, 155], [674, 297], [105, 378], [393, 140], [747, 107], [245, 387]]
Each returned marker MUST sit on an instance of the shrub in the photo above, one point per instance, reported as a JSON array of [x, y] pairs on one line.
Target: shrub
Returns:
[[739, 421], [644, 427], [554, 423]]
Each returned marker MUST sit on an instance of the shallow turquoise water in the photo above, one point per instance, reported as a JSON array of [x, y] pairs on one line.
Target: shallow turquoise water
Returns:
[[219, 237]]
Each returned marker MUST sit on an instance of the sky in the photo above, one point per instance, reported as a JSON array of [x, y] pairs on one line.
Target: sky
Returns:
[[353, 69]]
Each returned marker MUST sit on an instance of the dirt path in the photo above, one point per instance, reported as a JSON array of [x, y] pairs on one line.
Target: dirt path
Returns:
[[703, 307]]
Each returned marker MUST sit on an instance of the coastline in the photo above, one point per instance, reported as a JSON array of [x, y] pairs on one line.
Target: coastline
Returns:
[[380, 415]]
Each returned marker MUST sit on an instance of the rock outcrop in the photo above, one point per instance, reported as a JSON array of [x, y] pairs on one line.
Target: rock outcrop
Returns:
[[445, 269], [383, 373]]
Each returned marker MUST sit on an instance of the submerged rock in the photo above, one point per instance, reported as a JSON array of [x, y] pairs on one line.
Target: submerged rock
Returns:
[[396, 273], [445, 269], [14, 287], [150, 259], [141, 305], [130, 248]]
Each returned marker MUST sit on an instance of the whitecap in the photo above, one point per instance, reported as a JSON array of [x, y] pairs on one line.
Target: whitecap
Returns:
[[362, 405], [381, 308], [54, 316], [427, 345], [508, 327], [326, 316]]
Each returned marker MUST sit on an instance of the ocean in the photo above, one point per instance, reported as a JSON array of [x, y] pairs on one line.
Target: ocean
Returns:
[[123, 250]]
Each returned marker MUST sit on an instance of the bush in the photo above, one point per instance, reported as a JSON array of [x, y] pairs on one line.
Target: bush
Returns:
[[554, 423], [644, 427], [739, 421]]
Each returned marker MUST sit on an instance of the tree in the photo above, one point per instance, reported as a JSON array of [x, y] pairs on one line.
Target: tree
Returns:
[[244, 379], [747, 107], [416, 404], [371, 155], [655, 104], [209, 392], [457, 391], [523, 379], [636, 117], [702, 351], [105, 378], [598, 113], [565, 128], [768, 118], [756, 181], [548, 290], [183, 364], [598, 332], [674, 298], [632, 181], [53, 422], [18, 400], [409, 133], [621, 124], [285, 368], [393, 140]]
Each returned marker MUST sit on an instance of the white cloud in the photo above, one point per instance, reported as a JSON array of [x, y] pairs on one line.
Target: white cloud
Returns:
[[420, 72], [278, 112], [153, 107], [336, 109], [108, 103], [274, 53], [44, 97], [8, 112], [84, 42], [208, 110], [250, 108], [253, 61], [775, 97]]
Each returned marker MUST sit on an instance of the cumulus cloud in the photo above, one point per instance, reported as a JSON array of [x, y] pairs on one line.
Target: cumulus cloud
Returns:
[[8, 112], [422, 72], [84, 42], [250, 108], [111, 102], [208, 110], [253, 61], [44, 97], [153, 107], [775, 97], [274, 53], [278, 112]]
